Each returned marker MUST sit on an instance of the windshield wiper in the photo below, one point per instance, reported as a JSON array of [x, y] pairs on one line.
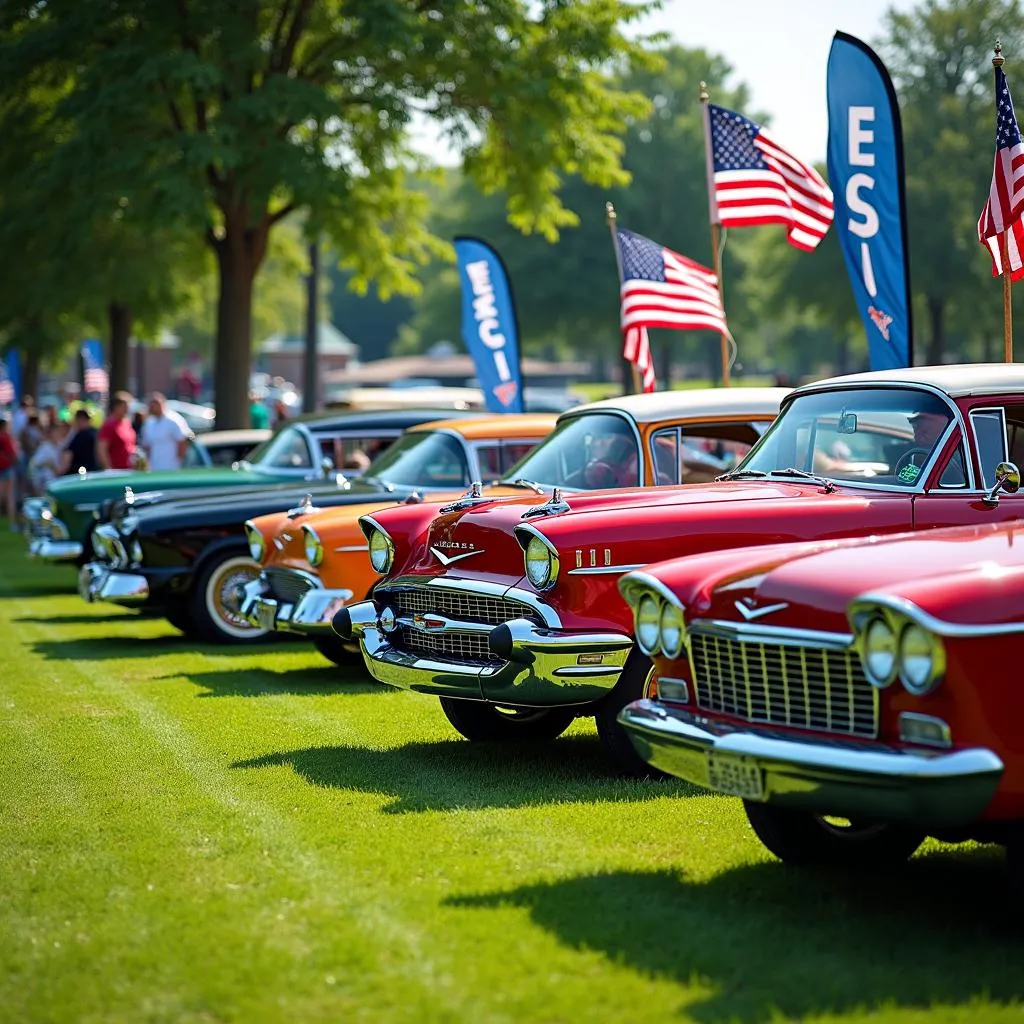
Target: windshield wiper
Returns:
[[804, 475], [523, 482], [738, 474]]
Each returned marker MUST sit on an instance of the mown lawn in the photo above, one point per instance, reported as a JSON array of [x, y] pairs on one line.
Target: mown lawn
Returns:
[[197, 834]]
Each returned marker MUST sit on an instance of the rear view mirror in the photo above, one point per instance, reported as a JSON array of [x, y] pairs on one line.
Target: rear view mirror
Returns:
[[847, 423]]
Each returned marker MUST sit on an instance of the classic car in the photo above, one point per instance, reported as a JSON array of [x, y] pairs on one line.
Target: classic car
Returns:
[[852, 693], [60, 523], [526, 630], [190, 557], [223, 447], [310, 568]]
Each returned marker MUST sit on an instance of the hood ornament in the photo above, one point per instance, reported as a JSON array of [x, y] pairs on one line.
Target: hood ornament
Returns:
[[474, 495], [552, 507], [415, 498], [749, 611], [304, 509], [129, 496]]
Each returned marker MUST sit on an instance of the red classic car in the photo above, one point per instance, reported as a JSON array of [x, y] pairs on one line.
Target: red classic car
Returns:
[[852, 693], [508, 610]]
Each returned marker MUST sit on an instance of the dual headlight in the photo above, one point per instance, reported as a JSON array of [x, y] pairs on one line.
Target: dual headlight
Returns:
[[257, 543], [658, 624], [541, 561], [893, 646], [313, 547], [382, 549]]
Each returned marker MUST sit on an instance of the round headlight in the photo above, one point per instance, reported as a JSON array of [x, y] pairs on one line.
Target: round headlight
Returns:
[[671, 630], [257, 545], [648, 624], [918, 656], [382, 551], [314, 549], [539, 563], [879, 653]]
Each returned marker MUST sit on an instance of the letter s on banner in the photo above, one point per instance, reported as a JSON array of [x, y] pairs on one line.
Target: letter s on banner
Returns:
[[489, 325], [865, 169]]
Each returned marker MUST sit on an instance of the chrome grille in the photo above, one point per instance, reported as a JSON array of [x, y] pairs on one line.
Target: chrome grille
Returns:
[[288, 586], [458, 604], [108, 545], [805, 686], [462, 647]]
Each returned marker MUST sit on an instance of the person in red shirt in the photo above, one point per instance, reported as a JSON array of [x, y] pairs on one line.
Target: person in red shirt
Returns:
[[8, 466], [115, 443]]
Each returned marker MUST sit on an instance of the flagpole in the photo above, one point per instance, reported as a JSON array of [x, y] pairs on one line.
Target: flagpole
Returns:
[[610, 212], [716, 221], [1004, 255]]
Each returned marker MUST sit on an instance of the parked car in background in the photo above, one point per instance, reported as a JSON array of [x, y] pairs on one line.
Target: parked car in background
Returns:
[[858, 696], [308, 448], [189, 558], [539, 634], [315, 559], [223, 447]]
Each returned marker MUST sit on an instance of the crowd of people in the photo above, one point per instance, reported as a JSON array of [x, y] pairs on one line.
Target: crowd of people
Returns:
[[38, 445]]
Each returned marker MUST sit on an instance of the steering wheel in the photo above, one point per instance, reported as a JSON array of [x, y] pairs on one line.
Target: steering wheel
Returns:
[[599, 474], [911, 457]]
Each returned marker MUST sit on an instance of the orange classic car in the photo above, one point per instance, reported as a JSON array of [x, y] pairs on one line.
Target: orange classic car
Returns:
[[314, 559], [315, 562]]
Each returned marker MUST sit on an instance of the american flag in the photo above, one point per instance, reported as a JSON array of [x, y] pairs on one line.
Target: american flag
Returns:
[[759, 182], [96, 379], [1002, 213], [660, 288]]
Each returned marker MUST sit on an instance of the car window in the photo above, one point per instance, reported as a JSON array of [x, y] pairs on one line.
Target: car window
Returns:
[[989, 428], [584, 453], [699, 453], [287, 449], [193, 457], [489, 457], [954, 475], [423, 459], [513, 452]]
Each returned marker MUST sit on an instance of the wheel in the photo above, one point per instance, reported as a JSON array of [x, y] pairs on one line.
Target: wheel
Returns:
[[215, 600], [336, 650], [179, 617], [800, 837], [487, 723], [632, 685]]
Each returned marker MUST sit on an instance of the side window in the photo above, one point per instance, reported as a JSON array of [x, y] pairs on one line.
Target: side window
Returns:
[[989, 426], [954, 475], [193, 457], [665, 450], [489, 457], [713, 449], [513, 451]]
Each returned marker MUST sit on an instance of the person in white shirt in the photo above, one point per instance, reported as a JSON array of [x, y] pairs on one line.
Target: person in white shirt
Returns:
[[164, 435]]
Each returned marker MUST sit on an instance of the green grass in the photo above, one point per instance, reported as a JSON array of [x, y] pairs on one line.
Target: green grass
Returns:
[[196, 834]]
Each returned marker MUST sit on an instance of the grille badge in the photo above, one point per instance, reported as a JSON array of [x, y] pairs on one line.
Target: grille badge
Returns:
[[747, 609], [449, 559]]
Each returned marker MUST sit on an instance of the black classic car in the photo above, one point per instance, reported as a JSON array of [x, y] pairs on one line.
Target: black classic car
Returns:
[[187, 556]]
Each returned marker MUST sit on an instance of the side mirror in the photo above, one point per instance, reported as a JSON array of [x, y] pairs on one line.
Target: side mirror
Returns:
[[326, 466], [1007, 480]]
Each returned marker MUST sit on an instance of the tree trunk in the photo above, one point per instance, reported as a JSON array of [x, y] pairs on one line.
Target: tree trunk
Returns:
[[239, 254], [310, 376], [119, 320], [937, 322], [30, 372]]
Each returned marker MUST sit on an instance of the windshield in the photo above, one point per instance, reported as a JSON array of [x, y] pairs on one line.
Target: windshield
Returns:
[[585, 453], [885, 435], [287, 449], [422, 459]]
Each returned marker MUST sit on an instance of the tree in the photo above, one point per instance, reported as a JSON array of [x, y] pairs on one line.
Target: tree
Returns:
[[231, 116]]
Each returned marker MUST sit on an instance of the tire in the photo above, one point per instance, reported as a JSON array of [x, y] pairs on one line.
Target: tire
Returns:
[[336, 650], [180, 617], [213, 600], [487, 723], [800, 837], [632, 685]]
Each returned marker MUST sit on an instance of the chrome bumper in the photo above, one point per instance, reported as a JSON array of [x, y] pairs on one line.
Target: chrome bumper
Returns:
[[98, 582], [51, 550], [932, 789], [534, 666], [311, 615]]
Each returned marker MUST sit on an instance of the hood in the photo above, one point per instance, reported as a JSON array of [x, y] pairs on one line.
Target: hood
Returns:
[[110, 484]]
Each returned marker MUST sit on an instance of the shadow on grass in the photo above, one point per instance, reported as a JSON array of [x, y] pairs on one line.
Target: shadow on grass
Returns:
[[458, 774], [775, 941], [25, 589], [74, 620], [310, 682]]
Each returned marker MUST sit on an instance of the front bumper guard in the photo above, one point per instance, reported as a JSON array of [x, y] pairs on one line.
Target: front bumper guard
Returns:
[[932, 789], [311, 615], [98, 582], [49, 549], [534, 666]]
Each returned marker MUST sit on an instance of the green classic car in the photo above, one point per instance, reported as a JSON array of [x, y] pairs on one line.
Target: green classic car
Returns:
[[59, 524]]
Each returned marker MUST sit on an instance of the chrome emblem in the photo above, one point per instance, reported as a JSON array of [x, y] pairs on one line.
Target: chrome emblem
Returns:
[[427, 622], [749, 612], [592, 553], [450, 559]]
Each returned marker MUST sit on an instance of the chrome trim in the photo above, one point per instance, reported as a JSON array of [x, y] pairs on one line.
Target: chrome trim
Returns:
[[50, 550], [473, 496], [445, 624], [923, 618], [312, 614], [643, 580], [87, 506], [98, 582], [555, 565], [364, 521], [785, 636], [353, 547], [912, 716], [824, 776], [1001, 412], [554, 506], [603, 570]]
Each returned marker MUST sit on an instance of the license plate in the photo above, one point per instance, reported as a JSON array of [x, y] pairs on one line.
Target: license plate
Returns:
[[266, 613], [735, 776]]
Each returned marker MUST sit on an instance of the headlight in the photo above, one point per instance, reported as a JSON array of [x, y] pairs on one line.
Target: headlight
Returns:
[[382, 550], [921, 661], [671, 630], [648, 624], [314, 549], [879, 653], [541, 564], [257, 545]]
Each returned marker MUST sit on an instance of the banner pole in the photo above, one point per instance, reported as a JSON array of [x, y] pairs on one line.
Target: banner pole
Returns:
[[715, 220], [1004, 256], [609, 210]]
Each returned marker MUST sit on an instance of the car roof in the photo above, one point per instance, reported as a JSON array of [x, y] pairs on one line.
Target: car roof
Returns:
[[508, 424], [957, 380], [696, 402], [228, 437], [377, 419]]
